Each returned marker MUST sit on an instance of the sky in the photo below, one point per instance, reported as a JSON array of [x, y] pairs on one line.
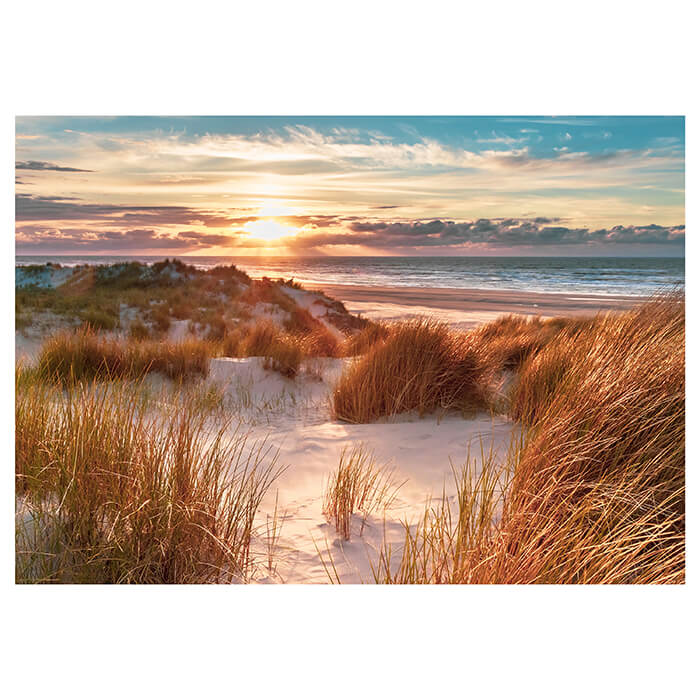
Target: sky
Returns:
[[350, 185]]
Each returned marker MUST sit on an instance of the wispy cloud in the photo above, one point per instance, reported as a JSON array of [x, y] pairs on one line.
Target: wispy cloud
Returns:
[[558, 181], [43, 165]]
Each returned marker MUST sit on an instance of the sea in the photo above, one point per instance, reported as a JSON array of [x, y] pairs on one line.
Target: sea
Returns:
[[602, 276]]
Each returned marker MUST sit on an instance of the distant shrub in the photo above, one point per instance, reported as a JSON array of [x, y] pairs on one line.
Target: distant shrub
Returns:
[[228, 272], [22, 321], [217, 328], [182, 360], [160, 318], [301, 321], [259, 338], [232, 343], [267, 292], [181, 309], [99, 320], [139, 330], [283, 355]]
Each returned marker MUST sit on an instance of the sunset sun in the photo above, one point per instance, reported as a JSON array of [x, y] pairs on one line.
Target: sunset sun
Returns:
[[269, 230]]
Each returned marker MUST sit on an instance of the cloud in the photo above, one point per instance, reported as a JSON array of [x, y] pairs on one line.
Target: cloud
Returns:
[[132, 240], [54, 209], [335, 231], [43, 165], [302, 149], [489, 233]]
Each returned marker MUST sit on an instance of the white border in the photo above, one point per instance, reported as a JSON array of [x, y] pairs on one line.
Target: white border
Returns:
[[349, 58]]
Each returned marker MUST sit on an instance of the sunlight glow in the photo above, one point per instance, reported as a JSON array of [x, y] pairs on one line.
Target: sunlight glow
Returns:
[[275, 207], [269, 230]]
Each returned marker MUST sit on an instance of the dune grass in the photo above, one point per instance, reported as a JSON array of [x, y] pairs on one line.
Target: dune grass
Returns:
[[282, 351], [109, 492], [597, 488], [358, 485], [258, 338], [162, 291], [322, 343], [363, 340], [422, 365], [284, 355], [85, 354]]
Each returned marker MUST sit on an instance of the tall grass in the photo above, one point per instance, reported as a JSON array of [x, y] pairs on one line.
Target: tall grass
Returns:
[[110, 492], [359, 485], [509, 341], [360, 342], [452, 534], [422, 365], [260, 336], [284, 355], [322, 343], [281, 351], [84, 354], [597, 493]]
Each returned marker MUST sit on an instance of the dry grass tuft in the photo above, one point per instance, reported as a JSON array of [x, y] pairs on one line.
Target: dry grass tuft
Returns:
[[301, 322], [359, 485], [84, 354], [362, 341], [259, 338], [266, 291], [281, 351], [284, 355], [422, 365], [113, 493], [597, 493], [322, 343], [139, 331]]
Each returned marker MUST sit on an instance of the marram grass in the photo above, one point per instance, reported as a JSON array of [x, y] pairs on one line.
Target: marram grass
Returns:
[[596, 490], [112, 491]]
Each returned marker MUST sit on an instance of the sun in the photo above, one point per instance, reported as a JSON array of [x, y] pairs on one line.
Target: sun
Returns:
[[269, 230]]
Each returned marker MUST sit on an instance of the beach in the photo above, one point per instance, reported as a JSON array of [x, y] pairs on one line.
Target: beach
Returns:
[[468, 307], [276, 366]]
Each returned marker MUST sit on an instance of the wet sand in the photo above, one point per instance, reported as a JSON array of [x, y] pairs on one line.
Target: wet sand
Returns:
[[466, 307]]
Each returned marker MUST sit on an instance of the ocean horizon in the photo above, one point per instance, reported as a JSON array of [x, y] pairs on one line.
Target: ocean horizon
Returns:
[[606, 276]]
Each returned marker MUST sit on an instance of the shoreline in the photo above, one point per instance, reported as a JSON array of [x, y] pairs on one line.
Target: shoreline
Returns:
[[467, 307]]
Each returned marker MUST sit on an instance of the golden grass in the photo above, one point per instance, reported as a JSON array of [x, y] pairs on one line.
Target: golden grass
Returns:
[[259, 338], [596, 491], [84, 354], [284, 355], [360, 342], [359, 485], [281, 351], [266, 291], [301, 322], [139, 330], [322, 343], [110, 492], [422, 365]]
